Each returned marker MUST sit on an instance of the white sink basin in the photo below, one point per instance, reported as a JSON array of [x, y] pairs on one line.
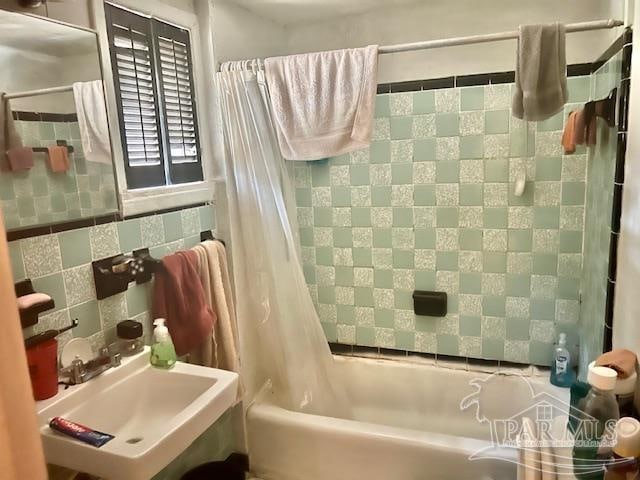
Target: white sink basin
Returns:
[[154, 414]]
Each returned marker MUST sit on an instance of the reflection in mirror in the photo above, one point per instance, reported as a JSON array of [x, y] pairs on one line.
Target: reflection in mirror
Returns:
[[56, 164]]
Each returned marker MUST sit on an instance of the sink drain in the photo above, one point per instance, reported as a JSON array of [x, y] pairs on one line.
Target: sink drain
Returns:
[[134, 440]]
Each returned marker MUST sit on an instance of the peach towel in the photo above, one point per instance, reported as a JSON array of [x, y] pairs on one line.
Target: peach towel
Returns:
[[585, 130], [58, 159], [621, 360], [20, 158], [569, 134]]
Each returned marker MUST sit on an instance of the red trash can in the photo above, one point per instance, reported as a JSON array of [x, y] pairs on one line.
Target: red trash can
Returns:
[[43, 369]]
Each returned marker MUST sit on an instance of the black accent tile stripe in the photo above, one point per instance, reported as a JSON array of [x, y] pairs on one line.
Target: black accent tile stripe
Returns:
[[613, 256], [44, 116], [621, 152], [473, 80], [616, 212], [623, 104], [579, 69]]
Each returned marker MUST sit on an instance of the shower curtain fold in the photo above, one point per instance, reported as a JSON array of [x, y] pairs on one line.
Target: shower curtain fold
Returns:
[[281, 339]]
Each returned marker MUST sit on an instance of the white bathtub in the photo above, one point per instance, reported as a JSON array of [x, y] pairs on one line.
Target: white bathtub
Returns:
[[406, 425]]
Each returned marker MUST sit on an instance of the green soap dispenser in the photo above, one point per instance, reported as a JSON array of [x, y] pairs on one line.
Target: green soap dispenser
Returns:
[[163, 355]]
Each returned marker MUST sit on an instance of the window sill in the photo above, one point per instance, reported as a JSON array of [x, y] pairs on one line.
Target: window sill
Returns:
[[146, 200]]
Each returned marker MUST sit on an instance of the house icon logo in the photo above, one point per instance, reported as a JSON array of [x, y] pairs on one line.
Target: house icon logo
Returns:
[[541, 436]]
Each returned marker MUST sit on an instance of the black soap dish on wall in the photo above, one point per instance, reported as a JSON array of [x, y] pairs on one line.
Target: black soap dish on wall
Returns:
[[431, 304], [29, 314]]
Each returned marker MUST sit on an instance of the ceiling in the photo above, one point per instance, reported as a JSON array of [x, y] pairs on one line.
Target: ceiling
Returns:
[[286, 12], [34, 34]]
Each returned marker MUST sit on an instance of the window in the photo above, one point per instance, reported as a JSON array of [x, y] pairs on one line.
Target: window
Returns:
[[153, 77]]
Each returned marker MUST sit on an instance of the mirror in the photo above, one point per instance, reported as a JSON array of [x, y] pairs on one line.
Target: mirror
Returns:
[[56, 163]]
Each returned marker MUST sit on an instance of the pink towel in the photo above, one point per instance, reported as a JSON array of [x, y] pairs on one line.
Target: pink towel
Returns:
[[20, 158], [178, 297], [58, 159]]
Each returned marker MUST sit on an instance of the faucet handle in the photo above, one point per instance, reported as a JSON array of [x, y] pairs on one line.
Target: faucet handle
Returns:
[[116, 360]]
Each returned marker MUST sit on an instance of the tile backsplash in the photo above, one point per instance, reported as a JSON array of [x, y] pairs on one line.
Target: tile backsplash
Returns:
[[38, 196], [60, 265], [430, 206]]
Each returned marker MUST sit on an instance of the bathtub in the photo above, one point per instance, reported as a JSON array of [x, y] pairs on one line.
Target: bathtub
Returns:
[[406, 423]]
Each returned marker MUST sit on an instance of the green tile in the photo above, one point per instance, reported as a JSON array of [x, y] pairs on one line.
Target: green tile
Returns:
[[572, 193], [207, 217], [403, 258], [470, 239], [172, 226], [320, 176], [495, 217], [382, 237], [323, 216], [330, 331], [26, 207], [346, 314], [380, 152], [471, 195], [521, 144], [383, 318], [383, 278], [88, 319], [129, 235], [40, 187], [75, 247], [546, 217], [494, 262], [46, 131], [471, 146], [327, 295], [448, 171], [493, 349], [52, 285], [568, 288], [361, 216], [543, 309], [401, 128], [426, 324], [493, 306], [58, 203], [425, 238], [405, 340], [340, 160], [324, 256], [359, 175], [343, 237], [382, 106], [545, 264], [17, 265], [303, 197], [520, 240], [471, 283], [517, 328], [380, 196], [341, 196], [550, 124], [570, 242], [308, 270], [496, 121], [138, 299], [518, 285], [306, 237], [540, 353], [447, 344], [470, 326], [402, 217], [424, 195], [496, 170], [447, 261], [424, 149], [447, 124], [362, 257], [579, 89], [548, 168], [526, 199], [447, 217], [363, 296], [402, 173], [471, 98], [365, 336], [424, 102]]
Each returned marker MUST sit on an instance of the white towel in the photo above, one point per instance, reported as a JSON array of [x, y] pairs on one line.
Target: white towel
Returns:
[[541, 72], [92, 121], [323, 103]]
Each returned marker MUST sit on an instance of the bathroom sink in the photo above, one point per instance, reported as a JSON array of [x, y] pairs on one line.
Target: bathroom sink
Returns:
[[154, 415]]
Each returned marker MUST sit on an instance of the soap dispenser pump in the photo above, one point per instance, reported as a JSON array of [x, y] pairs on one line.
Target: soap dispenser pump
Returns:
[[163, 354], [561, 373]]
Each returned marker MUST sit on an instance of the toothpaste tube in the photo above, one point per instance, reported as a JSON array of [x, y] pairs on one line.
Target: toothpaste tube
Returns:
[[79, 432]]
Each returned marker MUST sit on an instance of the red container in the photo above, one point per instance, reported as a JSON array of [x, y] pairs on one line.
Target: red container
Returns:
[[43, 369]]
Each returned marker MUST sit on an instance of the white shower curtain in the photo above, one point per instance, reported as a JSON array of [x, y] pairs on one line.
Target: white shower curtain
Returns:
[[280, 334]]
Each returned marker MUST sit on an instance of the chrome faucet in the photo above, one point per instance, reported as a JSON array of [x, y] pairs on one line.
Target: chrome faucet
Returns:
[[80, 372]]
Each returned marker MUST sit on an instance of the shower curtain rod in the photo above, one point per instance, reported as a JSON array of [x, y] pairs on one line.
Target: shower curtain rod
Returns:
[[41, 91], [492, 37]]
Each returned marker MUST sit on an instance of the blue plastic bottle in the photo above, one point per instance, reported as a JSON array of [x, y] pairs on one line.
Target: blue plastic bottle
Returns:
[[561, 373]]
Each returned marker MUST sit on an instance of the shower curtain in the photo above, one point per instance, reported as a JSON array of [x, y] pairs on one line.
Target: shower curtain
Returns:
[[282, 341]]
